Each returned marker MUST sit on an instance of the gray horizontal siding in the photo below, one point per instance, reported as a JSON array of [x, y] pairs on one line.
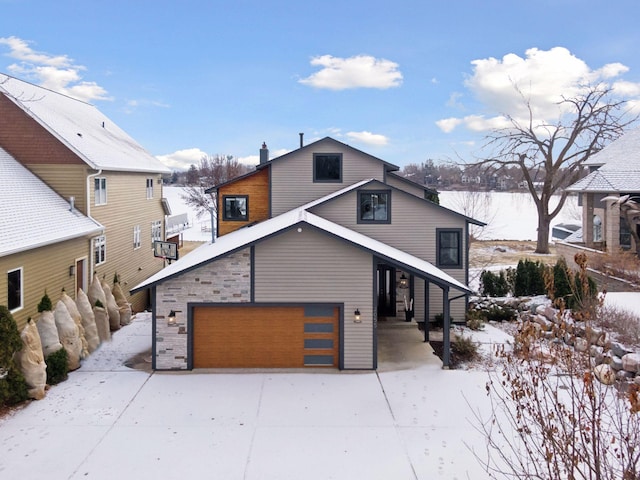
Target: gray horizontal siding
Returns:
[[310, 266]]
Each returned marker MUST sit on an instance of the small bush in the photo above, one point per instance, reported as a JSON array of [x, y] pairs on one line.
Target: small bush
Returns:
[[45, 304], [465, 348], [13, 388], [57, 367], [623, 325], [475, 320], [501, 314], [493, 285], [529, 278], [439, 318]]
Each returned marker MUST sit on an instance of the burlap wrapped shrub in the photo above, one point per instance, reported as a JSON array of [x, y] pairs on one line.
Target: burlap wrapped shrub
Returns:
[[96, 292], [123, 305], [49, 339], [102, 323], [75, 314], [112, 307], [30, 361], [88, 321], [69, 335]]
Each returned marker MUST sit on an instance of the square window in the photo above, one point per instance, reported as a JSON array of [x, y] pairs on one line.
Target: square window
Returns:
[[449, 248], [14, 289], [100, 191], [156, 231], [374, 206], [236, 207], [327, 167], [149, 188], [99, 250]]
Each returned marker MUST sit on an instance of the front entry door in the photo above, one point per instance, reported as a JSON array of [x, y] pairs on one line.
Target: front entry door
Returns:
[[386, 291]]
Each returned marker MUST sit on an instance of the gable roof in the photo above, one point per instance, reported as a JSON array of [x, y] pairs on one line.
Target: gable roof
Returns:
[[249, 236], [33, 215], [81, 127], [313, 145]]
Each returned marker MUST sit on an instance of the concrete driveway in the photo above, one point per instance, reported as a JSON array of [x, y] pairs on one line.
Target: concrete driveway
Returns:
[[107, 421]]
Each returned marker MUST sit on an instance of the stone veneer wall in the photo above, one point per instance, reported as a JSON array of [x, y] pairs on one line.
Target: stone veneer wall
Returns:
[[227, 280]]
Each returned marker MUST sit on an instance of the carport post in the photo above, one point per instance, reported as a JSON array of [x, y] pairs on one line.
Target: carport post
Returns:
[[426, 310], [446, 341]]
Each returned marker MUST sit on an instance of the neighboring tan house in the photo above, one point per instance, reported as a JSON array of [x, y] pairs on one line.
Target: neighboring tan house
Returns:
[[41, 241], [101, 172], [316, 247], [614, 171]]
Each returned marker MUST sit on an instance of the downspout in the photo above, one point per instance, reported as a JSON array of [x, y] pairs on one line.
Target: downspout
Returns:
[[88, 208]]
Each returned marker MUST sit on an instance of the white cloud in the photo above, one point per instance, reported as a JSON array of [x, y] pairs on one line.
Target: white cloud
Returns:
[[55, 72], [542, 78], [368, 138], [182, 159], [360, 71]]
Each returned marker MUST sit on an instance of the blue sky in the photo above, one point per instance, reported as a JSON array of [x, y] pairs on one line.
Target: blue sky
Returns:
[[402, 80]]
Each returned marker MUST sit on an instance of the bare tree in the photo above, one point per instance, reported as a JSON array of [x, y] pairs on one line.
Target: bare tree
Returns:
[[213, 170], [550, 155]]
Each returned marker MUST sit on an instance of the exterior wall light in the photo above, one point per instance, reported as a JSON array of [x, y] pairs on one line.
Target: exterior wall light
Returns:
[[356, 316], [171, 320], [404, 282]]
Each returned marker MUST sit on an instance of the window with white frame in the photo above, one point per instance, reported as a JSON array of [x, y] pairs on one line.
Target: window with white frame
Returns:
[[100, 190], [136, 237], [14, 289], [149, 188], [156, 231], [99, 250]]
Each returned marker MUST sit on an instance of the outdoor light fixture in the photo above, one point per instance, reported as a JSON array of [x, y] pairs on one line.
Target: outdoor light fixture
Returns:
[[404, 282], [72, 270], [356, 316], [172, 318]]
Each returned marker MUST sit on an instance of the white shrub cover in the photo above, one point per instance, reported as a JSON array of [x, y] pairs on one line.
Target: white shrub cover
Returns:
[[30, 361], [75, 314], [46, 324], [102, 323], [69, 335], [123, 305], [112, 307], [96, 292], [88, 321]]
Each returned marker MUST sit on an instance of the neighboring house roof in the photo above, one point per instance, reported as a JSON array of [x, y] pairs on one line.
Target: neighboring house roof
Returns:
[[248, 236], [619, 170], [33, 215], [413, 183], [82, 128], [313, 145]]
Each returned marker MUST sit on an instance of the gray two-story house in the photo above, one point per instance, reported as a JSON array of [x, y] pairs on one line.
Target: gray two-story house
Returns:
[[314, 248]]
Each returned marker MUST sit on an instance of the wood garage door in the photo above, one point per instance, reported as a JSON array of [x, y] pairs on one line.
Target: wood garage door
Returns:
[[265, 336]]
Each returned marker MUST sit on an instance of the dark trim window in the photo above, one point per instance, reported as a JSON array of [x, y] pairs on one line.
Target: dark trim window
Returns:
[[449, 247], [14, 289], [374, 206], [235, 207], [327, 167]]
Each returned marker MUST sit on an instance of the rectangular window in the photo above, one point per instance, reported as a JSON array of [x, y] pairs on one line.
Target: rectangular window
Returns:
[[156, 231], [449, 247], [14, 289], [149, 188], [100, 190], [374, 206], [236, 207], [99, 250], [327, 167], [136, 237]]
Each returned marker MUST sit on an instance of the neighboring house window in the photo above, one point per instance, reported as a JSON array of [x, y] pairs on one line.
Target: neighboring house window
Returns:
[[449, 247], [156, 231], [99, 250], [625, 234], [149, 188], [14, 289], [374, 206], [100, 189], [136, 237], [327, 167], [597, 228], [236, 207]]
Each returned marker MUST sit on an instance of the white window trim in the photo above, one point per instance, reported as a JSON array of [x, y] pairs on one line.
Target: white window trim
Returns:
[[97, 243], [100, 194], [136, 237], [21, 270], [149, 188], [156, 231]]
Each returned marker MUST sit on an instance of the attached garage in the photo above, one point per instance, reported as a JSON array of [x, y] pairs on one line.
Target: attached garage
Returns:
[[265, 336]]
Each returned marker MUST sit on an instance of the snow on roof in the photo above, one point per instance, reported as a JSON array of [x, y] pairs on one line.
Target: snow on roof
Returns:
[[33, 215], [82, 128], [245, 237], [623, 152]]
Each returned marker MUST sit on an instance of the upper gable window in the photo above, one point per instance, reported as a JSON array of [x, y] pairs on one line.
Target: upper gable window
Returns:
[[449, 247], [235, 207], [327, 167], [149, 188], [374, 206], [14, 289], [100, 190]]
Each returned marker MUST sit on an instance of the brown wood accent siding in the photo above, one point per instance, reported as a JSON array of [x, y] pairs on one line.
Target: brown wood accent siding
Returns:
[[28, 141], [292, 178], [44, 269], [67, 180], [257, 337], [127, 206], [256, 186]]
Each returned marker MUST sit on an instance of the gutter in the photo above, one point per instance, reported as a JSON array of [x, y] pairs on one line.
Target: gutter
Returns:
[[88, 204]]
